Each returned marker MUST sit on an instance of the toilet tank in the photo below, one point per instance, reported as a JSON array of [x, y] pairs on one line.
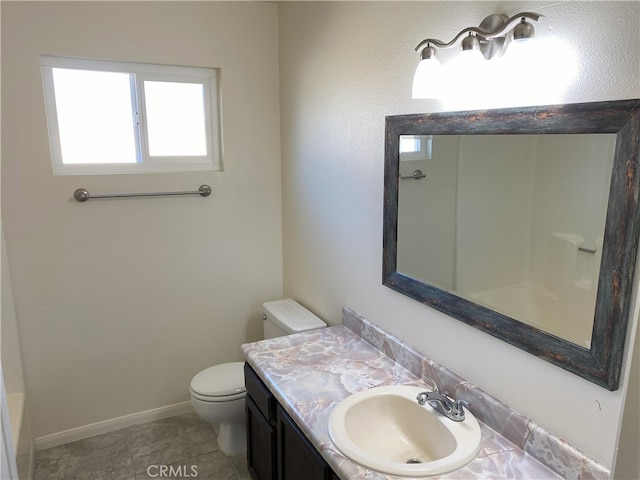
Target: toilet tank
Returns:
[[284, 317]]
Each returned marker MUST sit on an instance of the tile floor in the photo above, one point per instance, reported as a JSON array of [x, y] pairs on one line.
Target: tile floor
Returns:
[[142, 452]]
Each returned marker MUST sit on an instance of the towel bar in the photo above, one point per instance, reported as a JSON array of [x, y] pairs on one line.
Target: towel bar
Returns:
[[82, 195]]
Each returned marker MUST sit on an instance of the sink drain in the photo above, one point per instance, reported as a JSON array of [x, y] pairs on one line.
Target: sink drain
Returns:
[[414, 460]]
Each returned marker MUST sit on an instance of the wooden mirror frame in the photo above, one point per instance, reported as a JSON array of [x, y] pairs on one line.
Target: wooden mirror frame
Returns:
[[601, 363]]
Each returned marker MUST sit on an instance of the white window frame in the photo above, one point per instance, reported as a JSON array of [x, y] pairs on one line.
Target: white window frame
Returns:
[[138, 72], [421, 148]]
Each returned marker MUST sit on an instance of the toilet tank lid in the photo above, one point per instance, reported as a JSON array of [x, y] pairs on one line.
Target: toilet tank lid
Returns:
[[220, 380], [291, 316]]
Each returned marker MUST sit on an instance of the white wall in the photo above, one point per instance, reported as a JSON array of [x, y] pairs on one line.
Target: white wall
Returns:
[[627, 464], [120, 302], [425, 252], [487, 170], [344, 66]]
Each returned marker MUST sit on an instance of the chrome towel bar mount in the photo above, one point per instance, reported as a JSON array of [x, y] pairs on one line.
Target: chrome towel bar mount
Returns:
[[82, 195], [416, 175]]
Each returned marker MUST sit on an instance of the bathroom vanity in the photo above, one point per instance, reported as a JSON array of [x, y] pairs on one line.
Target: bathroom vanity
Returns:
[[276, 448], [295, 382]]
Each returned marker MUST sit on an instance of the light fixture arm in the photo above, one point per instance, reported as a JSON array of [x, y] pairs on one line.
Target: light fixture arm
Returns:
[[486, 34]]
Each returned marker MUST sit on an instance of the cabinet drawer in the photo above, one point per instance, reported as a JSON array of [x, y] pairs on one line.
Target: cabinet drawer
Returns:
[[260, 394]]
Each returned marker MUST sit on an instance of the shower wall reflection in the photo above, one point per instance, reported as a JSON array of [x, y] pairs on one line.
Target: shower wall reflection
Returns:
[[513, 222]]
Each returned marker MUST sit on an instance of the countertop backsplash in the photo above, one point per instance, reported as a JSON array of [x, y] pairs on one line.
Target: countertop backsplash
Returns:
[[547, 448]]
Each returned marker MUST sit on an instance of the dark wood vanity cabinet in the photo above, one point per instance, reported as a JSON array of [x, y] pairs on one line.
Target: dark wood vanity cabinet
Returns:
[[261, 444], [276, 448], [261, 411], [297, 458]]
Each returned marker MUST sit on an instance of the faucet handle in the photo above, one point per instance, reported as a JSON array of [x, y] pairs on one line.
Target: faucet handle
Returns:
[[434, 386], [458, 410]]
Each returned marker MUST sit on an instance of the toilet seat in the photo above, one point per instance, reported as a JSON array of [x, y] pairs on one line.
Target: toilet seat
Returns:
[[220, 383], [217, 399]]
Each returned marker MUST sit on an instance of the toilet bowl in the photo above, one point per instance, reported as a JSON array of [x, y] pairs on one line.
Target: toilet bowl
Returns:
[[217, 396], [218, 392]]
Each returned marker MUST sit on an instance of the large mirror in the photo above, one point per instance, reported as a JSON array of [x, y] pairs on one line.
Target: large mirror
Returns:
[[522, 223]]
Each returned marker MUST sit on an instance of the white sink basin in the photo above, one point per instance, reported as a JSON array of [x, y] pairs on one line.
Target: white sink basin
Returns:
[[384, 429]]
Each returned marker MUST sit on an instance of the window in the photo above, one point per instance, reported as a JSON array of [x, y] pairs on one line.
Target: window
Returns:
[[116, 117], [416, 147]]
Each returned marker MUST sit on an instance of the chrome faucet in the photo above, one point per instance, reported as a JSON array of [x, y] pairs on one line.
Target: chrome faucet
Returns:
[[452, 409]]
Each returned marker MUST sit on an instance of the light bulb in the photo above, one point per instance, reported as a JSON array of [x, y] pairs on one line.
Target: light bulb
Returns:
[[427, 81], [465, 80]]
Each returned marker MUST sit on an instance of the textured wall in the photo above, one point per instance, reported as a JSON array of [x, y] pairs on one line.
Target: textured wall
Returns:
[[120, 302], [344, 66]]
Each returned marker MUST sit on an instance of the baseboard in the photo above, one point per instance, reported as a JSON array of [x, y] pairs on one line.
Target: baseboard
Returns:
[[106, 426]]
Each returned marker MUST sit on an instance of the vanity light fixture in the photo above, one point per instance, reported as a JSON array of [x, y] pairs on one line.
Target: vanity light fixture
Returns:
[[487, 41]]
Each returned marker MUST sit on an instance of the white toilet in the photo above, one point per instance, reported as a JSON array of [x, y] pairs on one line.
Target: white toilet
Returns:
[[217, 393]]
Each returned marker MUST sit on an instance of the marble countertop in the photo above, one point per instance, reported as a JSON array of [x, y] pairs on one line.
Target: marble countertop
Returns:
[[310, 373]]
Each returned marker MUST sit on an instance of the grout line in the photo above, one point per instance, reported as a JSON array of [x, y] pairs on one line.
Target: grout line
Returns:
[[133, 465], [233, 466]]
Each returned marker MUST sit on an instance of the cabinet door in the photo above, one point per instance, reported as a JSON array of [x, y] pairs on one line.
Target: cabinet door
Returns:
[[297, 457], [261, 444]]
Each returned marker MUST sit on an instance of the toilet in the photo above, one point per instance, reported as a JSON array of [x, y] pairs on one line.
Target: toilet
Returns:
[[218, 392]]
